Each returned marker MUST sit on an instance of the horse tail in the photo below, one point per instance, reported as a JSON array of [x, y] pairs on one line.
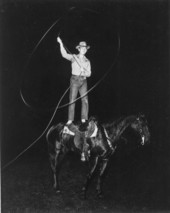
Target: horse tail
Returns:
[[54, 132]]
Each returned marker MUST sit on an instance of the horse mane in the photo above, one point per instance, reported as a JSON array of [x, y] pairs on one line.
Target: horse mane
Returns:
[[115, 123], [114, 128]]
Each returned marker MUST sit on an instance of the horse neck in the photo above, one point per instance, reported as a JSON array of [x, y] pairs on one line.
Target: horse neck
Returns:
[[117, 128]]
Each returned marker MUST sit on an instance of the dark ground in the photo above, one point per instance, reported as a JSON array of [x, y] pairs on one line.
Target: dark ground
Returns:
[[137, 180]]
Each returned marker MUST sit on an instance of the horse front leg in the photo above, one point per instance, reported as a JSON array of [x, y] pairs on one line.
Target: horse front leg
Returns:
[[89, 176], [100, 178]]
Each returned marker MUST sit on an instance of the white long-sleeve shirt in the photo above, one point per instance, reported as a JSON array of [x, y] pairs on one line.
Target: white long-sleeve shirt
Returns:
[[80, 66]]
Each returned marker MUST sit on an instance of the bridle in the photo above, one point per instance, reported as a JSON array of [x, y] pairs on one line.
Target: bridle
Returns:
[[140, 129]]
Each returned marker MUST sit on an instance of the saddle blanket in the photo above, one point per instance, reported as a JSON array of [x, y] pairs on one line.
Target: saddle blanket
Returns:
[[67, 131]]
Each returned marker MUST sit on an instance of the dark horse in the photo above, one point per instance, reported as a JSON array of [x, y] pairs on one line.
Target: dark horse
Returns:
[[96, 144]]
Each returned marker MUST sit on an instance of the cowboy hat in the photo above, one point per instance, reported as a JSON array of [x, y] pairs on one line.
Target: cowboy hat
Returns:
[[82, 44]]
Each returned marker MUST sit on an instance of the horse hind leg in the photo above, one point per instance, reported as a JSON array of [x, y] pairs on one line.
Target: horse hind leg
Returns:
[[55, 161], [89, 176], [54, 165]]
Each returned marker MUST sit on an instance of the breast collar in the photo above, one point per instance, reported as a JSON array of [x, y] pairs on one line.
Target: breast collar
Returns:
[[108, 140]]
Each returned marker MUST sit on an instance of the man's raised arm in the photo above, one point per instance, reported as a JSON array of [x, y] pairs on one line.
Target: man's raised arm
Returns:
[[63, 50]]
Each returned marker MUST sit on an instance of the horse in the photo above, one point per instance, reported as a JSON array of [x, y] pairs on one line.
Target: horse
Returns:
[[96, 144]]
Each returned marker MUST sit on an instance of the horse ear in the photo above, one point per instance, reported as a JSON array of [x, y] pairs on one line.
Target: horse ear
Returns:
[[141, 115]]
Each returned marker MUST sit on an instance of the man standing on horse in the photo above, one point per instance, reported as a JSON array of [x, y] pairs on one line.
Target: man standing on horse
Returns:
[[81, 69]]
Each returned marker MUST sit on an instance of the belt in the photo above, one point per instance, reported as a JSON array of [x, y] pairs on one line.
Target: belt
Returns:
[[79, 76]]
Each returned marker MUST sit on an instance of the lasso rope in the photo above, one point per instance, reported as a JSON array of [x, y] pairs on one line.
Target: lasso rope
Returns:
[[57, 107], [95, 85]]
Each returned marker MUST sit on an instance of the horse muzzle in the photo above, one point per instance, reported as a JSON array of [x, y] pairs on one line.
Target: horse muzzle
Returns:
[[143, 140]]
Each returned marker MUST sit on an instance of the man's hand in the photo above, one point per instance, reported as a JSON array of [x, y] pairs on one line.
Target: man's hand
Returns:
[[59, 40], [83, 71]]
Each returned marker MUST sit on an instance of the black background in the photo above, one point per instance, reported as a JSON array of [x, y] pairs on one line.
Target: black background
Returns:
[[137, 82], [130, 41]]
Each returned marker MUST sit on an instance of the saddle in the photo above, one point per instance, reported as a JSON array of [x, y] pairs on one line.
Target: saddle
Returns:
[[90, 130], [81, 134]]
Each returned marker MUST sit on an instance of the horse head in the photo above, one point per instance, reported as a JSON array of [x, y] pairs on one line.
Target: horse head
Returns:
[[141, 126]]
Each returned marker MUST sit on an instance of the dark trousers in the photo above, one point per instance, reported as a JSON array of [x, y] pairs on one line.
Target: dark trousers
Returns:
[[78, 84]]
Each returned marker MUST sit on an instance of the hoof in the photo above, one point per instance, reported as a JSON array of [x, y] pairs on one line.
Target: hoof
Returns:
[[83, 195], [57, 191], [100, 195]]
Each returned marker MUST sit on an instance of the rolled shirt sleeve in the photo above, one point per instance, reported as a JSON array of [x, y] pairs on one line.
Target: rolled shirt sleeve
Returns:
[[65, 54]]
